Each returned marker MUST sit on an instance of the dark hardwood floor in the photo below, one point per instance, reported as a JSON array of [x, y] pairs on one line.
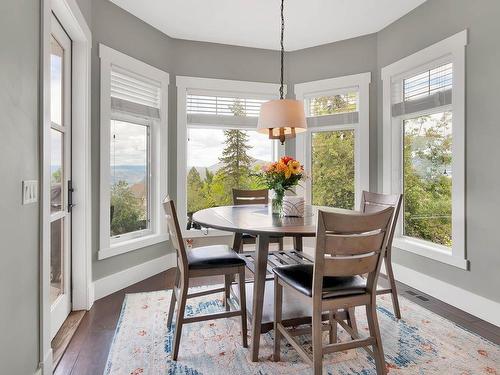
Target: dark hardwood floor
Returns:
[[89, 347]]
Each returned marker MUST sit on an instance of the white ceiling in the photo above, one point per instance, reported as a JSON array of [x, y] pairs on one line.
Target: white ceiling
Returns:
[[256, 23]]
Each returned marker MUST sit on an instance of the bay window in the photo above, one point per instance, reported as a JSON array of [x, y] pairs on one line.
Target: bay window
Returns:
[[218, 146], [133, 153], [423, 157]]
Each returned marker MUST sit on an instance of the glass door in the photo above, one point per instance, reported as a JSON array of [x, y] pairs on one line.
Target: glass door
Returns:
[[60, 171]]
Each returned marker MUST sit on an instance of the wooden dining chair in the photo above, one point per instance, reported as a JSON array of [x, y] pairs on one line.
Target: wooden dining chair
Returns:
[[373, 202], [347, 246], [244, 197], [214, 260]]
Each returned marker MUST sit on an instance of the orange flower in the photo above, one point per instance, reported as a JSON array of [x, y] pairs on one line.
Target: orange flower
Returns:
[[294, 166], [280, 167]]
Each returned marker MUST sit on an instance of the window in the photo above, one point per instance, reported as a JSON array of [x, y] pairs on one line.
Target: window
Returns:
[[427, 177], [219, 148], [133, 153], [130, 183], [424, 149], [334, 149]]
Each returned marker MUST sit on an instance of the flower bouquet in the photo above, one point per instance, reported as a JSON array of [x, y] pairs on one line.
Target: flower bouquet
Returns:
[[281, 176]]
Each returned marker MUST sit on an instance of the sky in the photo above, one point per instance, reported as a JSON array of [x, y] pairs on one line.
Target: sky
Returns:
[[55, 105], [129, 145], [205, 146]]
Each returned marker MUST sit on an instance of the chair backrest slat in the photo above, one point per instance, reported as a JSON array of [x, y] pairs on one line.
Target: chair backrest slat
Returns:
[[350, 244], [175, 233], [241, 197], [353, 244], [349, 266], [373, 202]]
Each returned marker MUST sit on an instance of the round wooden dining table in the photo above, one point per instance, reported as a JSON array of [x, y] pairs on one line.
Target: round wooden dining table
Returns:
[[258, 220]]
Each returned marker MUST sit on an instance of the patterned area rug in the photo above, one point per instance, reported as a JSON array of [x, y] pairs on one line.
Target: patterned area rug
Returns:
[[421, 343]]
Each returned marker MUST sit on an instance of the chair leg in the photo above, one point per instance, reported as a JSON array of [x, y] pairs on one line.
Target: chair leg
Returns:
[[378, 351], [317, 342], [351, 319], [228, 279], [333, 326], [297, 243], [278, 305], [171, 308], [394, 292], [180, 318], [280, 244], [243, 307]]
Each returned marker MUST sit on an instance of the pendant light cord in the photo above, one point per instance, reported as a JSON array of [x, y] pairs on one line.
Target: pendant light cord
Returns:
[[282, 48]]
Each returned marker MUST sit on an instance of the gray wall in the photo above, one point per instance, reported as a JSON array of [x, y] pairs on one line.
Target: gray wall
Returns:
[[124, 32], [118, 29], [431, 22], [19, 230]]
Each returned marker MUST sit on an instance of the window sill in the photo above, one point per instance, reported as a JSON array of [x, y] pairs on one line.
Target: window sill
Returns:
[[131, 245], [200, 233], [435, 252]]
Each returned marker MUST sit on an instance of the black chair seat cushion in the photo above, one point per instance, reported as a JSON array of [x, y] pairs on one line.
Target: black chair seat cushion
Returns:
[[213, 257], [300, 277]]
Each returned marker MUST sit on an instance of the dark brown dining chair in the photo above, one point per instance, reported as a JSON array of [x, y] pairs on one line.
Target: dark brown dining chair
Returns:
[[244, 197], [347, 246], [214, 260], [373, 202]]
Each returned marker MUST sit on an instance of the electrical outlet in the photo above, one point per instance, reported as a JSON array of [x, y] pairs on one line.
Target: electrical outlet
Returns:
[[30, 191]]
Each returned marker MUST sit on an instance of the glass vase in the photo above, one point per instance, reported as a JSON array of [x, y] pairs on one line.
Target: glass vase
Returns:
[[277, 203]]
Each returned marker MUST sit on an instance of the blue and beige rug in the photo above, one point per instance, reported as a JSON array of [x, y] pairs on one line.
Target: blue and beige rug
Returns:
[[421, 343]]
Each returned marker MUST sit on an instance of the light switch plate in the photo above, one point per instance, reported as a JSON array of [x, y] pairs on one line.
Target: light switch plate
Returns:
[[30, 191]]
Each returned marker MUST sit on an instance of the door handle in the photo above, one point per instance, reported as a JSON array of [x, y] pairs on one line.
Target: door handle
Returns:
[[70, 196]]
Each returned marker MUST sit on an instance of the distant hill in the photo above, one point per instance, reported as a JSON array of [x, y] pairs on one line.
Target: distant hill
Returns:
[[131, 174], [256, 163]]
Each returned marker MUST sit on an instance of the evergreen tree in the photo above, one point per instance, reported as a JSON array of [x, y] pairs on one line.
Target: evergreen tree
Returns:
[[235, 160], [195, 196]]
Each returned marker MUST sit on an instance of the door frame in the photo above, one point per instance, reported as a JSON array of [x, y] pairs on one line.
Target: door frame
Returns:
[[69, 15], [62, 306]]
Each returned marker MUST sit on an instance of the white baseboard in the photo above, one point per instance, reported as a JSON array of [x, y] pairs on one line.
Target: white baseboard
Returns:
[[117, 281], [45, 367], [462, 299]]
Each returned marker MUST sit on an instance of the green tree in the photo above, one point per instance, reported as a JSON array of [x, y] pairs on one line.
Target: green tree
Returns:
[[427, 183], [328, 105], [333, 155], [128, 215], [235, 160], [333, 169], [195, 196]]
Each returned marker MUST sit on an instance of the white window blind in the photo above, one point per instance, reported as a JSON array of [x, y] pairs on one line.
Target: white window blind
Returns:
[[337, 109], [228, 111], [228, 106], [424, 91], [134, 94]]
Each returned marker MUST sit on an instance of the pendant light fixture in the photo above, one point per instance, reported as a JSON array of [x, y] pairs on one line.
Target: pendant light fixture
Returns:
[[282, 118]]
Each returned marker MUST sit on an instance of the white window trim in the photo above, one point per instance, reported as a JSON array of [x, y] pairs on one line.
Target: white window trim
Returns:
[[360, 83], [158, 143], [210, 86], [452, 50]]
